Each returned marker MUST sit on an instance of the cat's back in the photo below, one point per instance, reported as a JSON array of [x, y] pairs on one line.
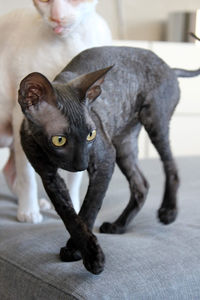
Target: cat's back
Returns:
[[125, 58], [140, 67]]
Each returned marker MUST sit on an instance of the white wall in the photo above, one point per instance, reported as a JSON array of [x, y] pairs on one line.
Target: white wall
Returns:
[[145, 19], [8, 5]]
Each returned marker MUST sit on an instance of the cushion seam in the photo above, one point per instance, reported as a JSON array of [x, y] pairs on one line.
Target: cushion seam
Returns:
[[38, 278]]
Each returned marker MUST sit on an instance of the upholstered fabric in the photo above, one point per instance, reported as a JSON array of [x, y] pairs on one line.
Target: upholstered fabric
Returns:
[[150, 261]]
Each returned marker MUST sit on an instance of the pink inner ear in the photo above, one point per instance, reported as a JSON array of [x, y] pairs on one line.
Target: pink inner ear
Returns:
[[93, 92], [36, 92], [32, 96], [35, 88]]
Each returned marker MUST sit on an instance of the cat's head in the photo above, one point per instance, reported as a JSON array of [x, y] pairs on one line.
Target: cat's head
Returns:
[[58, 116], [63, 16]]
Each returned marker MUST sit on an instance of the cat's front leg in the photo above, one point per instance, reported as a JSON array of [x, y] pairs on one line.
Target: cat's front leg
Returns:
[[82, 238], [100, 173], [25, 185]]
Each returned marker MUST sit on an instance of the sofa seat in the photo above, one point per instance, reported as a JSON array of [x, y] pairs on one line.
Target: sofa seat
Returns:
[[149, 261]]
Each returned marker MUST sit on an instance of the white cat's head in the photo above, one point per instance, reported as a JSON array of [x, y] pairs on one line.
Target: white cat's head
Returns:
[[64, 15]]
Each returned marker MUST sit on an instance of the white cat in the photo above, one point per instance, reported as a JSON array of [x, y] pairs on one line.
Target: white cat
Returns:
[[45, 43]]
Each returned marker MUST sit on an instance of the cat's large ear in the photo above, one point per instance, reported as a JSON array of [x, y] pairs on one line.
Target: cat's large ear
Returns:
[[88, 86], [35, 89]]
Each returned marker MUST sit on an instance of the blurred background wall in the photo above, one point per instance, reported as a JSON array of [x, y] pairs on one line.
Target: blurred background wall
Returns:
[[143, 19], [130, 19]]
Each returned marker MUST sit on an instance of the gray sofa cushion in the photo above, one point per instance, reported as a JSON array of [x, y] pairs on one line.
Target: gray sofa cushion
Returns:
[[150, 261]]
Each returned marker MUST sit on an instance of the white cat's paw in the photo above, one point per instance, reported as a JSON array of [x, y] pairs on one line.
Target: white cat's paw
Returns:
[[44, 204], [29, 217]]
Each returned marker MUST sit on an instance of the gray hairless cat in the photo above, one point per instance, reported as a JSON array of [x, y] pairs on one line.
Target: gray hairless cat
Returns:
[[65, 128]]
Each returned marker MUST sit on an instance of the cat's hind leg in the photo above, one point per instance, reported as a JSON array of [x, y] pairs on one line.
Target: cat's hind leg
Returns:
[[100, 174], [157, 127], [9, 171], [6, 140], [126, 147]]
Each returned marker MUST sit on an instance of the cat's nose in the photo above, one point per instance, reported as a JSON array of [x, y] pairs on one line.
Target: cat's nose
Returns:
[[55, 20], [80, 168], [80, 165], [58, 11]]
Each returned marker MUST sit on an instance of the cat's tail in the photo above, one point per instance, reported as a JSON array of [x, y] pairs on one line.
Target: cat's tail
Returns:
[[186, 73]]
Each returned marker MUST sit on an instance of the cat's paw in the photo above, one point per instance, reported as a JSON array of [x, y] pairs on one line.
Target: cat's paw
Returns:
[[93, 256], [112, 228], [34, 217], [44, 204], [167, 215], [67, 254]]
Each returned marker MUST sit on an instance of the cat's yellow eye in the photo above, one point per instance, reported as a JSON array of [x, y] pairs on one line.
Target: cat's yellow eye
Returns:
[[44, 0], [58, 140], [91, 136]]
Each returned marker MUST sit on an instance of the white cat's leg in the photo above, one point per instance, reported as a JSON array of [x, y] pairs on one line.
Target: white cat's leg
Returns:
[[25, 185], [9, 171], [26, 190], [6, 140], [74, 183]]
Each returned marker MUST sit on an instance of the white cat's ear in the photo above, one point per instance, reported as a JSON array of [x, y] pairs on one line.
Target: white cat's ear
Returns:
[[88, 86], [35, 89]]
